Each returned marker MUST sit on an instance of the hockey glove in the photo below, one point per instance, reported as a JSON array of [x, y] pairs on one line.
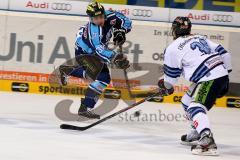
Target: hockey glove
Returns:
[[165, 88], [119, 36], [121, 61]]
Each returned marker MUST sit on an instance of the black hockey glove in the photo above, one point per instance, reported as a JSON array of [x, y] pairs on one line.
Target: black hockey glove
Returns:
[[121, 61], [119, 36], [165, 88]]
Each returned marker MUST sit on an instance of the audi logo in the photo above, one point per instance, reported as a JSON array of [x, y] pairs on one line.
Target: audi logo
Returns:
[[222, 18], [61, 6], [142, 13]]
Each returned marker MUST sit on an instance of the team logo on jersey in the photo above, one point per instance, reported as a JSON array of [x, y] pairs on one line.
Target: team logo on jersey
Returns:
[[94, 35], [100, 49], [20, 87], [213, 62]]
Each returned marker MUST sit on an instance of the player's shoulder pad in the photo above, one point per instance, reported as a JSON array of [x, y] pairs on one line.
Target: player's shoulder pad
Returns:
[[82, 28], [174, 46], [169, 48], [172, 49], [81, 31]]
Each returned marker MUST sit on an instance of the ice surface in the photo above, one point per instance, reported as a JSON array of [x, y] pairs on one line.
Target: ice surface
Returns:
[[29, 130]]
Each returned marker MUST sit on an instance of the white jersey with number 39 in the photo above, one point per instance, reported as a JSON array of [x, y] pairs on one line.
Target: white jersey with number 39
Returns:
[[196, 58]]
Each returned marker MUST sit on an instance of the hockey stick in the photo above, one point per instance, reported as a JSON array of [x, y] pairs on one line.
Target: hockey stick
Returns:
[[126, 76], [128, 83], [73, 127]]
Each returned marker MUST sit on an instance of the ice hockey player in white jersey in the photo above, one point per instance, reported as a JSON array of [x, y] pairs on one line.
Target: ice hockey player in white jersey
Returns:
[[205, 64]]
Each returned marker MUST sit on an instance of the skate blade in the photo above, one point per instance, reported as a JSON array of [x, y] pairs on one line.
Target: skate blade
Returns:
[[193, 143], [210, 152]]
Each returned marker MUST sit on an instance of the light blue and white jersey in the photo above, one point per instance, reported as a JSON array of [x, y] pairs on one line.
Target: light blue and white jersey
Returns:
[[93, 39]]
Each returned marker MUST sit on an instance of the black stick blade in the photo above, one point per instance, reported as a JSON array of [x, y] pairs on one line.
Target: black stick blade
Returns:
[[72, 127]]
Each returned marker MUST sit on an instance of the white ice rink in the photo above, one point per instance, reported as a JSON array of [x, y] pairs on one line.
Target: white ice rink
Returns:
[[29, 130]]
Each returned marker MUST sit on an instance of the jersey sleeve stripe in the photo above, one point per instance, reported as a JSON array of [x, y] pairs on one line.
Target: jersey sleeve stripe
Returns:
[[185, 106], [194, 110], [172, 72], [90, 35], [220, 50], [103, 83], [171, 69], [203, 70], [172, 75], [95, 89]]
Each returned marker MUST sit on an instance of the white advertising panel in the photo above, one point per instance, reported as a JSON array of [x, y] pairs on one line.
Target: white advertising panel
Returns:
[[134, 12], [3, 4], [50, 6], [37, 43], [79, 8], [207, 17], [140, 12]]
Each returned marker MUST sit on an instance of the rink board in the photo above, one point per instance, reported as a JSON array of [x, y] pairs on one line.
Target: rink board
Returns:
[[34, 44], [46, 89]]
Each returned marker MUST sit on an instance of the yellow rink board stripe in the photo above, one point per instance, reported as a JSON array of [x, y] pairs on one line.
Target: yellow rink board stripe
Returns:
[[44, 88]]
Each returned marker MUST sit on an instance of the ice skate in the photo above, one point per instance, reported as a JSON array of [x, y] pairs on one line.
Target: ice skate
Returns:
[[190, 138], [206, 145], [85, 112]]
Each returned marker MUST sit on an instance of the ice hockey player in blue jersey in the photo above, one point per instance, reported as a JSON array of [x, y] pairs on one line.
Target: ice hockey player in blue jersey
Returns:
[[204, 63], [92, 39]]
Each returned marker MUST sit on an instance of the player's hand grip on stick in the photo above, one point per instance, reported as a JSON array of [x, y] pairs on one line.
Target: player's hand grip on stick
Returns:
[[121, 61], [165, 88], [119, 36]]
